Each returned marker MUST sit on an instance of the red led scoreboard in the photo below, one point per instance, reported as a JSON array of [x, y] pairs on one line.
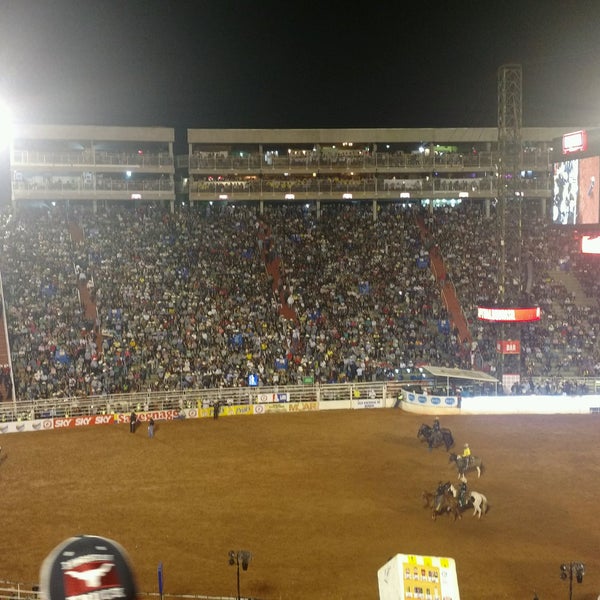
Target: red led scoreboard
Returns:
[[509, 315], [495, 314]]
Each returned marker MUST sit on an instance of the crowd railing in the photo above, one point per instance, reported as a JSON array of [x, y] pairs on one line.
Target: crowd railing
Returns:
[[367, 393], [182, 399], [89, 158], [383, 161]]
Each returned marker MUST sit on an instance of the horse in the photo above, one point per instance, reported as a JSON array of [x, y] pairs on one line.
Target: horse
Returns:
[[463, 465], [447, 504], [429, 498], [479, 502], [434, 439], [441, 501], [475, 499]]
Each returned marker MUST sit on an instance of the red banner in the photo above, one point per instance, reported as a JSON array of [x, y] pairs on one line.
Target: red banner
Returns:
[[508, 347]]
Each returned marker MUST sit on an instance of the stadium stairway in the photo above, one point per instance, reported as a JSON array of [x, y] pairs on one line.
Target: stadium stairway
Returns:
[[272, 264], [447, 290], [572, 285], [87, 302]]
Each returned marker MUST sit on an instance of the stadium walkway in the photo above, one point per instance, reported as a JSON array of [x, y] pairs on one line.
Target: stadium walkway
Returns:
[[447, 289]]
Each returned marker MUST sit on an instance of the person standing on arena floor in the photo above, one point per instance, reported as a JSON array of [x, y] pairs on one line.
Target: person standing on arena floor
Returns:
[[132, 421], [150, 427]]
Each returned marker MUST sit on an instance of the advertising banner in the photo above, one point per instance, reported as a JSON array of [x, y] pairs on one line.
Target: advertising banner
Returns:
[[508, 347]]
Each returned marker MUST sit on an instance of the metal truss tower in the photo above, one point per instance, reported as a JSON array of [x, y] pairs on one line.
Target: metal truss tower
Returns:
[[509, 190]]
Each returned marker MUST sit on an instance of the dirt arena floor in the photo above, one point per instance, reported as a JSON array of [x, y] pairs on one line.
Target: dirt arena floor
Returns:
[[322, 500]]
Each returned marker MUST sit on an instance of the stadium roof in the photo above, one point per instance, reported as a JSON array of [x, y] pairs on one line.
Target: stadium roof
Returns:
[[460, 374]]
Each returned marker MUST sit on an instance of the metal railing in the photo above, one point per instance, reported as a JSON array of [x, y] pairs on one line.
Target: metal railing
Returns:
[[23, 591], [89, 158], [177, 400], [364, 160]]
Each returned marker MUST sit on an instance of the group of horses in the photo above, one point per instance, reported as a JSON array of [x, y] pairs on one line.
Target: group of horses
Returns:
[[446, 498]]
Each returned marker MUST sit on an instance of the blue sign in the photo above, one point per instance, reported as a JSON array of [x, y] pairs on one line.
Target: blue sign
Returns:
[[160, 578]]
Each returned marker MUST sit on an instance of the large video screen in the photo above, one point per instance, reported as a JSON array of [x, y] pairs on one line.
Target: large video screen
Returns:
[[575, 197], [590, 244]]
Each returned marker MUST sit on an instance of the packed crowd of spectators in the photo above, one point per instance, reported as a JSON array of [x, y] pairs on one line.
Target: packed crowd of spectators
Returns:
[[362, 289], [350, 183], [184, 300], [49, 336], [564, 341], [334, 157]]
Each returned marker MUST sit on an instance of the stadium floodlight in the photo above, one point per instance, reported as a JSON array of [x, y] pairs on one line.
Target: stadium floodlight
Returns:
[[567, 570], [237, 557]]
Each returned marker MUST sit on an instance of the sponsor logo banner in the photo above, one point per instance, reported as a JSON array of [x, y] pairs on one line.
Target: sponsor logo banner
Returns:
[[63, 422], [270, 398], [19, 426], [368, 403], [302, 406]]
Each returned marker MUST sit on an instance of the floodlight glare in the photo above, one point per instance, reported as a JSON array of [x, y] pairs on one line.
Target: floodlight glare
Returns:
[[5, 126]]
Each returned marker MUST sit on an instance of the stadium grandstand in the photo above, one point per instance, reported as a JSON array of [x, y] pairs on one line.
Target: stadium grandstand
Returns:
[[282, 257]]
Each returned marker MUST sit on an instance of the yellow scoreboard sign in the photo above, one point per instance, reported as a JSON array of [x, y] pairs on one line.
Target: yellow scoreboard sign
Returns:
[[411, 576]]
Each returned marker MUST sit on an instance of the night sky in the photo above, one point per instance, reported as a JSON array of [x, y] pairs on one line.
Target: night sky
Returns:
[[296, 64]]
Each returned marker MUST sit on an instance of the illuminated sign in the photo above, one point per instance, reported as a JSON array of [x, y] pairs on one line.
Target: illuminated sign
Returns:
[[509, 315], [574, 142], [590, 244], [508, 347]]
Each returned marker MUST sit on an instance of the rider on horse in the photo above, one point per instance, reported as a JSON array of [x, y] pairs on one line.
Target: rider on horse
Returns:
[[462, 494], [466, 455], [436, 433], [439, 495]]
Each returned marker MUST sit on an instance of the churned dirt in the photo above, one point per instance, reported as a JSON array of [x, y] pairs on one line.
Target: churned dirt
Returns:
[[322, 500]]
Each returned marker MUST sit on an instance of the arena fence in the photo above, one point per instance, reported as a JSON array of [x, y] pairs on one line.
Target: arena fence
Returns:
[[364, 393], [23, 591], [368, 394]]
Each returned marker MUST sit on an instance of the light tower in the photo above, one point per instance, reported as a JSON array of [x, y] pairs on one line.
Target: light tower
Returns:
[[509, 190]]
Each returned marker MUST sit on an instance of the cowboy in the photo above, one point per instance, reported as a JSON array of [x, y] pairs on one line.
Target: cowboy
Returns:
[[436, 433], [466, 455], [439, 495], [462, 494]]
